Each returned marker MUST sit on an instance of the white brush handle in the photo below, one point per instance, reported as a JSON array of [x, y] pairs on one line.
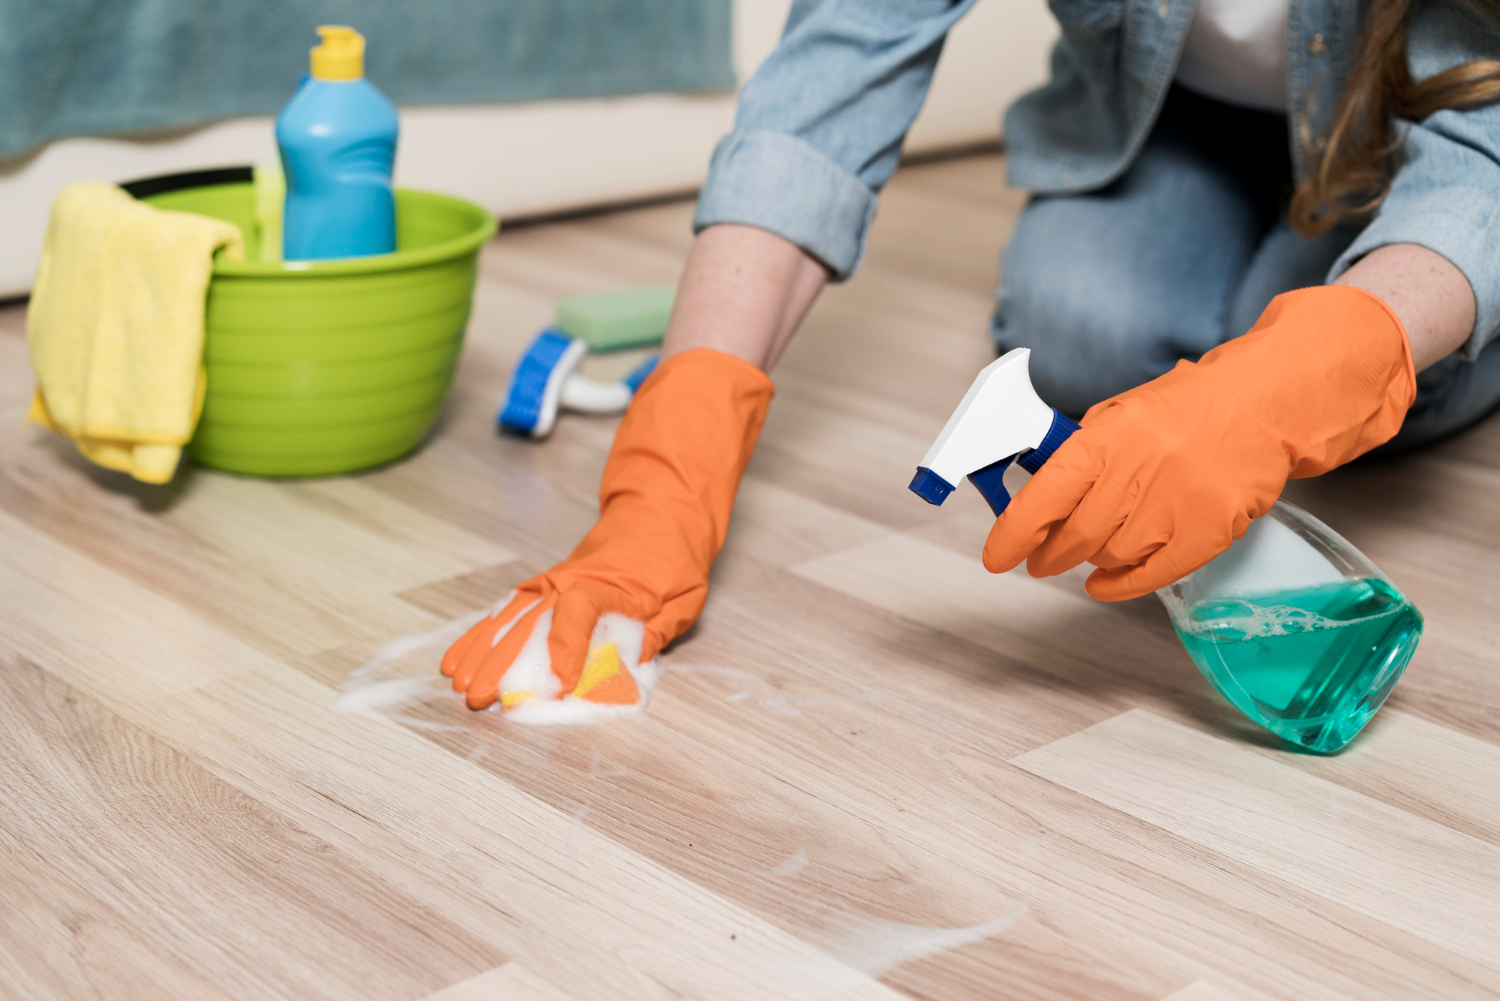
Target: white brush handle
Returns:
[[583, 395]]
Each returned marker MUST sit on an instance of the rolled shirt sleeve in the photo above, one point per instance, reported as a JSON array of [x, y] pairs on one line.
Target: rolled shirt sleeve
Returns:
[[1446, 192], [820, 126]]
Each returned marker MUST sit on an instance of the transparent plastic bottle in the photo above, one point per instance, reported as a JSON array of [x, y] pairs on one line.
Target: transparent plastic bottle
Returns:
[[1291, 624], [1297, 629]]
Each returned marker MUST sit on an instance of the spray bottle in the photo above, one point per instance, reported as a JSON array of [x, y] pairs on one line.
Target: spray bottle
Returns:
[[337, 137], [1291, 624]]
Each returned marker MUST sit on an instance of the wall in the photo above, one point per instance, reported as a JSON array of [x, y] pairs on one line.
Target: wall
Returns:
[[525, 159]]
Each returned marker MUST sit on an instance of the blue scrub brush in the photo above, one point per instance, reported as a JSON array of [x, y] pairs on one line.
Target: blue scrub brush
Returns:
[[546, 380]]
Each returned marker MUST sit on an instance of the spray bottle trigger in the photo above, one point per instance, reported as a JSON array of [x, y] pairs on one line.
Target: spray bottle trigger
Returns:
[[990, 482]]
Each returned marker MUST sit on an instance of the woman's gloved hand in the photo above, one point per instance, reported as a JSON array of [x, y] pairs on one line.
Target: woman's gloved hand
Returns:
[[1161, 479], [665, 500]]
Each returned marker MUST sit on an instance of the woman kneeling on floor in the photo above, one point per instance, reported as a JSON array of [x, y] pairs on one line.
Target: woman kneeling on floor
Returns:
[[1328, 182]]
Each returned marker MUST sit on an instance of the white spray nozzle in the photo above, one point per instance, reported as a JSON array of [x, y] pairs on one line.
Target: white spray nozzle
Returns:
[[1000, 416]]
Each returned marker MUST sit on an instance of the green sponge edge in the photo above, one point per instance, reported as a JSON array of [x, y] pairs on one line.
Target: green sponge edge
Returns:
[[614, 321]]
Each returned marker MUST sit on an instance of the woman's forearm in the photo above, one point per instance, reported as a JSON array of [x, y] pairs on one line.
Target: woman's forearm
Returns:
[[744, 291], [1431, 297]]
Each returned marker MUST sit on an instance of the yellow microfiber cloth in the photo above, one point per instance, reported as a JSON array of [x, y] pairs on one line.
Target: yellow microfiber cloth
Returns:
[[115, 326]]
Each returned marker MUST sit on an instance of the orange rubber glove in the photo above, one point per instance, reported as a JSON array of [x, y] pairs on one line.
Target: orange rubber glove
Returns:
[[664, 505], [1161, 479]]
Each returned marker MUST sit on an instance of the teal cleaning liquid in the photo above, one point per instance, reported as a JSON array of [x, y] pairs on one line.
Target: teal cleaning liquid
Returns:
[[1312, 665]]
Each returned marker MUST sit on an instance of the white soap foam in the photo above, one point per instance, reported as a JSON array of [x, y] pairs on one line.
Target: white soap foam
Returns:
[[1254, 621], [792, 865], [875, 945], [401, 675], [627, 634], [404, 673], [531, 671], [569, 711], [598, 771], [375, 698]]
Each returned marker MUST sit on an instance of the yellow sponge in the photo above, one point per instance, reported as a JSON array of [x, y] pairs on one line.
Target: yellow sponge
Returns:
[[605, 678]]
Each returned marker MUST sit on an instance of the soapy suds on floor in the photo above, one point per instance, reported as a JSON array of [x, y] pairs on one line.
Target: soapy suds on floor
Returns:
[[598, 768], [405, 672], [875, 945], [612, 673], [792, 866]]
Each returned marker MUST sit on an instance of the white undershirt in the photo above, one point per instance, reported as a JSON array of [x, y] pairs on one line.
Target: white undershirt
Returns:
[[1236, 53]]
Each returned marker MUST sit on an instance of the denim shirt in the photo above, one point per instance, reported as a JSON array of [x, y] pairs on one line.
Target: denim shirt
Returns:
[[820, 125]]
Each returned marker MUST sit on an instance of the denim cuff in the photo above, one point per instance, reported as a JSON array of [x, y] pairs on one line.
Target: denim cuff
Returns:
[[779, 183], [1455, 224]]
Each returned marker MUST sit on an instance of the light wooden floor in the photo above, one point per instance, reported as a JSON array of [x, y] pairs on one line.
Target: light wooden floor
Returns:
[[873, 770]]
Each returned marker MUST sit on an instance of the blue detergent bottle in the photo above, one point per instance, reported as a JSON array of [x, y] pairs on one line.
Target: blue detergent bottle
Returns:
[[337, 137]]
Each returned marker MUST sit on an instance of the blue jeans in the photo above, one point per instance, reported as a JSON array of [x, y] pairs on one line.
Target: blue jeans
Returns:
[[1110, 289]]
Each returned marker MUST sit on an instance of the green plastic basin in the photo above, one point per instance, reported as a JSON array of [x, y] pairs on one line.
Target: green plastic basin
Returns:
[[324, 367]]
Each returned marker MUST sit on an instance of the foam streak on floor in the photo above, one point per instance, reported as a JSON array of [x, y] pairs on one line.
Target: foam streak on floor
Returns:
[[873, 770]]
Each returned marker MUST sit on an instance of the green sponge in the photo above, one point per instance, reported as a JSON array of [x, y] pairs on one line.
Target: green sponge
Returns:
[[613, 321]]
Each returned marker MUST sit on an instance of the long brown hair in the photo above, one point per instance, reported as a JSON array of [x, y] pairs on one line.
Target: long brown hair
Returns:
[[1352, 171]]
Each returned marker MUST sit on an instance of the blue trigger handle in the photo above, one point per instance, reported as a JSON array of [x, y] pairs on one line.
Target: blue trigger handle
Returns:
[[990, 480]]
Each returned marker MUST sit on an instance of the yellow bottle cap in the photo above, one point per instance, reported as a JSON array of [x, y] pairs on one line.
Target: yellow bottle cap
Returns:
[[341, 56]]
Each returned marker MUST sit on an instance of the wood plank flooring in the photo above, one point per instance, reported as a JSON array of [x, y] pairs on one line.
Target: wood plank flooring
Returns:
[[872, 771]]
